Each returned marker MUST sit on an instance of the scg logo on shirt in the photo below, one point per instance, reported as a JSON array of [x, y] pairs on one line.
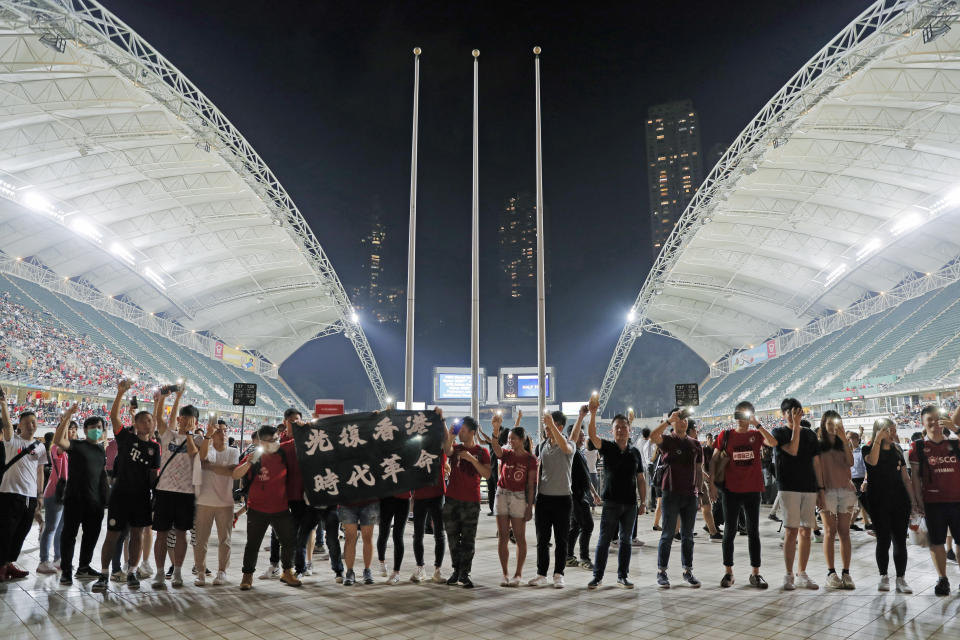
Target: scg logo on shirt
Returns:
[[936, 460]]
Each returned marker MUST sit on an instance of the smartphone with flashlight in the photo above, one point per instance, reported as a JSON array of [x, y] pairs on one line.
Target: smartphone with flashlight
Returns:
[[133, 403], [456, 428]]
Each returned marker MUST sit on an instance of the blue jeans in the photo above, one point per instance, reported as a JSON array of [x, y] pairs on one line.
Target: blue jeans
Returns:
[[615, 519], [685, 508], [52, 526]]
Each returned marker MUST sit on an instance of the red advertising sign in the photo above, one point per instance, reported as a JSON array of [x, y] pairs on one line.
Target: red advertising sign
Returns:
[[326, 408], [771, 349], [218, 350]]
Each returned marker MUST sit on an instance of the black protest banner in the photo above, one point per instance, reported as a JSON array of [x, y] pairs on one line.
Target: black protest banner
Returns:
[[362, 456]]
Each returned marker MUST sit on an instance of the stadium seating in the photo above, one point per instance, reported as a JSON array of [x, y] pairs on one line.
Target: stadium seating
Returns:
[[88, 350], [916, 342]]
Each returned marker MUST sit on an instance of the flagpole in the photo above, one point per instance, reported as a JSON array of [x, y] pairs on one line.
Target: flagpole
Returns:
[[475, 268], [412, 245], [541, 285]]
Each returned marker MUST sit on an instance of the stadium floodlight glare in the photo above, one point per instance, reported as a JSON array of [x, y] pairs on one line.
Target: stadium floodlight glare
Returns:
[[36, 201], [86, 229], [157, 280], [355, 317], [906, 223], [631, 316], [869, 248], [835, 274], [121, 252]]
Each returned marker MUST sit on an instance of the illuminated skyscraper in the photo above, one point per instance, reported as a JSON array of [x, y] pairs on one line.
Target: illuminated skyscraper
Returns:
[[382, 299], [674, 165], [517, 243]]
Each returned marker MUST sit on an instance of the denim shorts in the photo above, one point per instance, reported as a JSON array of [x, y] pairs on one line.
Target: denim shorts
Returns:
[[362, 514]]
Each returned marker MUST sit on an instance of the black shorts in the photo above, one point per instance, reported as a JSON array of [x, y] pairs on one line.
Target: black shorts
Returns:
[[941, 516], [173, 510], [128, 509]]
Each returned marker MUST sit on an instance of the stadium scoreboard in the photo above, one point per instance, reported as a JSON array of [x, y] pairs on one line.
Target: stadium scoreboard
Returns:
[[521, 385], [455, 384]]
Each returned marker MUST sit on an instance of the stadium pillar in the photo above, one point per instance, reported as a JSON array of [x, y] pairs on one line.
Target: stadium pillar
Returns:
[[412, 245], [475, 262], [541, 284]]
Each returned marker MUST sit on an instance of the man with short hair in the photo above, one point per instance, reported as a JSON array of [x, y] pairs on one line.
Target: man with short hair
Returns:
[[174, 501], [84, 498], [214, 500], [584, 496], [469, 463], [266, 472], [138, 458], [20, 489], [624, 492], [798, 467], [935, 470], [553, 502]]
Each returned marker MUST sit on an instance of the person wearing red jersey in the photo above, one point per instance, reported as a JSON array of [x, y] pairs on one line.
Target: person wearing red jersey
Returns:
[[742, 486], [516, 491], [935, 465], [469, 464], [266, 470], [428, 503]]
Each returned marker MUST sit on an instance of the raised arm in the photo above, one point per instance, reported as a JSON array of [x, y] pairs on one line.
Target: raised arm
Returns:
[[5, 417], [578, 426], [792, 447], [768, 438], [172, 418], [207, 437], [516, 422], [873, 456], [592, 407], [847, 448], [656, 436], [60, 435], [159, 400], [555, 436], [497, 424], [448, 441], [122, 389]]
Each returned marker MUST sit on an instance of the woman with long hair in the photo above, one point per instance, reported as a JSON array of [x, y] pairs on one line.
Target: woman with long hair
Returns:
[[890, 499], [516, 491], [837, 496]]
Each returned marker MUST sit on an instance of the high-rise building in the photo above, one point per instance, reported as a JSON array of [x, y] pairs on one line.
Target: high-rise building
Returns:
[[517, 244], [382, 299], [674, 165]]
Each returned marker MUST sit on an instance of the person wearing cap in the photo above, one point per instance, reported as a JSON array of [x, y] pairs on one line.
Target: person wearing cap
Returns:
[[174, 500]]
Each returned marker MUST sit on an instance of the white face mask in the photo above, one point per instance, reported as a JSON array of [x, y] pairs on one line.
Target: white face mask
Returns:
[[270, 447]]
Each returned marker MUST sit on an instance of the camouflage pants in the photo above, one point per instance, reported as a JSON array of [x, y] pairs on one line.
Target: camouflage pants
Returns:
[[460, 521]]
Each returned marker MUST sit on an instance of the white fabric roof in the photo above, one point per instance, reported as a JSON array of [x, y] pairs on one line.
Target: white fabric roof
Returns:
[[122, 147], [845, 184]]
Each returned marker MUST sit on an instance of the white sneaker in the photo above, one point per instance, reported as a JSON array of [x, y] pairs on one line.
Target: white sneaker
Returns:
[[558, 581], [118, 576], [539, 581], [514, 581], [637, 542], [884, 584], [145, 571], [56, 563], [273, 571], [833, 581], [126, 568], [308, 569], [220, 579], [847, 581], [788, 584], [902, 586], [160, 582], [419, 575], [383, 569], [177, 578], [201, 580], [437, 576], [46, 567], [394, 577], [804, 581], [505, 582]]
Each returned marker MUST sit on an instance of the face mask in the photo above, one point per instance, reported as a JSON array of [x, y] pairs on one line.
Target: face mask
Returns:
[[94, 434], [270, 447]]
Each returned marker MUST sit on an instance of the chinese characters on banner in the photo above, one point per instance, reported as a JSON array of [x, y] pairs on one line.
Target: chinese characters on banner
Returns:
[[362, 456]]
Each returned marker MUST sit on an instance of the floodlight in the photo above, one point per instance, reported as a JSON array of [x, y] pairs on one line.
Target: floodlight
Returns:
[[355, 317], [631, 316]]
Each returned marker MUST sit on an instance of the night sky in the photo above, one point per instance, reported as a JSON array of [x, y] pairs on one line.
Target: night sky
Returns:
[[323, 92]]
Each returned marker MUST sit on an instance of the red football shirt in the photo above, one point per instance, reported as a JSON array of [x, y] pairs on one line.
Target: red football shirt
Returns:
[[464, 484], [515, 469], [744, 472], [940, 473]]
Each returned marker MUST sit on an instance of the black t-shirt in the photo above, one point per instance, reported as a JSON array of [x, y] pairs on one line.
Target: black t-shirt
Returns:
[[86, 473], [620, 469], [580, 478], [136, 460], [795, 473], [883, 479]]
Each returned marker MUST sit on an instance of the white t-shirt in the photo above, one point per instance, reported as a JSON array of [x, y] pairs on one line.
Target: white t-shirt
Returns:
[[178, 475], [592, 457], [217, 490], [21, 478]]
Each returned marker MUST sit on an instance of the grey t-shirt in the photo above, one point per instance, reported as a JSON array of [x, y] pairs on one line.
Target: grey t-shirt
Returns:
[[555, 466]]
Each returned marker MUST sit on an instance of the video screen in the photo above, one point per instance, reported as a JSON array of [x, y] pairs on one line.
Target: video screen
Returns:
[[528, 385], [454, 386]]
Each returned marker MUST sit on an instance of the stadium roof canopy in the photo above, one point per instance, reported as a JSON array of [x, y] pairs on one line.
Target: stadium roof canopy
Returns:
[[845, 185], [116, 171]]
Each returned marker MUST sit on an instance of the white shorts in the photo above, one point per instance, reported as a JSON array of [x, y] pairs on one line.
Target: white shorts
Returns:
[[800, 509], [512, 504], [837, 501]]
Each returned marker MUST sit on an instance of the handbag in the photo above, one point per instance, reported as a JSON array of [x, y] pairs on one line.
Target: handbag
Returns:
[[720, 461]]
